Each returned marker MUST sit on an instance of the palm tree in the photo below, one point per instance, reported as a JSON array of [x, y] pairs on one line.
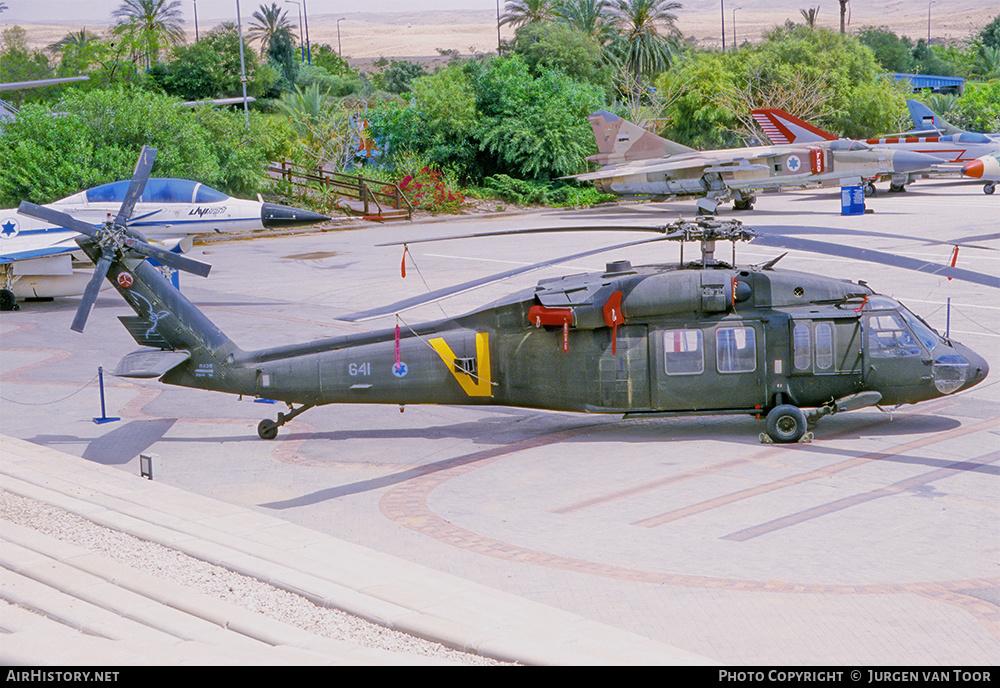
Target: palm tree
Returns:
[[155, 24], [269, 22], [592, 17], [75, 40], [641, 48], [521, 12], [810, 15], [3, 6], [843, 14]]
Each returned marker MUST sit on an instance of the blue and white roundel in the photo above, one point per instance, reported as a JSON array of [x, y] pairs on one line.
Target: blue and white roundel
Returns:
[[792, 163], [9, 228], [399, 369]]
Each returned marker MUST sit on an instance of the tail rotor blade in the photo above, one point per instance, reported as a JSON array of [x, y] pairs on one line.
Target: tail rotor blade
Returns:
[[172, 259], [90, 294], [139, 178], [56, 217]]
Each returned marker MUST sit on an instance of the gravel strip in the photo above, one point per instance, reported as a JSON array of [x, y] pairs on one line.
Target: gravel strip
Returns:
[[221, 583]]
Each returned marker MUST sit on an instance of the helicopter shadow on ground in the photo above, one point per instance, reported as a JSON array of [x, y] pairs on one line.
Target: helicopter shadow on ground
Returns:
[[655, 432]]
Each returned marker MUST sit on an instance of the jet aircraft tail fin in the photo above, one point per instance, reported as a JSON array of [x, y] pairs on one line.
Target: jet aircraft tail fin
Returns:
[[619, 140], [924, 118], [782, 128]]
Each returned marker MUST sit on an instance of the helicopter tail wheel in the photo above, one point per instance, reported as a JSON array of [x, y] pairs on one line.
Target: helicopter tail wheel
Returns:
[[989, 187], [267, 429], [786, 424]]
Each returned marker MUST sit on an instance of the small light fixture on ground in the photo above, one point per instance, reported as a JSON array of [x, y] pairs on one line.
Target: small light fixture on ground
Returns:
[[148, 464]]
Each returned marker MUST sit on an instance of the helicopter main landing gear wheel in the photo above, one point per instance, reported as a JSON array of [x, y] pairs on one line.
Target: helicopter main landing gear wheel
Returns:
[[786, 424], [8, 301], [267, 429]]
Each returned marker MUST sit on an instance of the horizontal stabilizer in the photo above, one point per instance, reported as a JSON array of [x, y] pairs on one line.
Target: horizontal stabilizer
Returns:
[[147, 363], [143, 331]]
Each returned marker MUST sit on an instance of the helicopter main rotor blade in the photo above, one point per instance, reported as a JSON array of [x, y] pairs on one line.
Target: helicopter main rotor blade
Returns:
[[140, 176], [878, 257], [90, 293], [56, 217], [439, 294], [538, 230], [664, 229]]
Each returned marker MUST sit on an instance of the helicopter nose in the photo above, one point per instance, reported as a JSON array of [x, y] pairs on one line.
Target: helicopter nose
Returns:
[[273, 216], [978, 367], [909, 161]]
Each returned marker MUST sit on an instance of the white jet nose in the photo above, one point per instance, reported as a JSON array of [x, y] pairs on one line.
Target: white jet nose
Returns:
[[985, 167]]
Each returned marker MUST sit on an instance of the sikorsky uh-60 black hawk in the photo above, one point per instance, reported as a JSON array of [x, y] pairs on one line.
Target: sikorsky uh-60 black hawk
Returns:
[[703, 337]]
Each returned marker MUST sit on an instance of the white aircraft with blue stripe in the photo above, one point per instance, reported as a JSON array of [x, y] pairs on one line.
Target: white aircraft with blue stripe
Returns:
[[41, 260]]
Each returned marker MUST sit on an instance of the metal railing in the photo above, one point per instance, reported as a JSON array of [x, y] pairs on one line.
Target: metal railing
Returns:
[[370, 192]]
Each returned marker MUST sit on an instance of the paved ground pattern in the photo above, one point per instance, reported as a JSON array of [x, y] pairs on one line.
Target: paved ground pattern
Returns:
[[876, 543]]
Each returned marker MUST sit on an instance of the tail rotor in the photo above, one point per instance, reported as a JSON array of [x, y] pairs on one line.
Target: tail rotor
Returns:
[[114, 238]]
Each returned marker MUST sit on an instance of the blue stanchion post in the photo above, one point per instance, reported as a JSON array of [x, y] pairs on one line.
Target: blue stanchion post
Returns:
[[100, 383]]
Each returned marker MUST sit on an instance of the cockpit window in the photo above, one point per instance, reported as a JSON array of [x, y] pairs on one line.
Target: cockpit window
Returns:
[[924, 332], [207, 194], [158, 191], [847, 144], [888, 336]]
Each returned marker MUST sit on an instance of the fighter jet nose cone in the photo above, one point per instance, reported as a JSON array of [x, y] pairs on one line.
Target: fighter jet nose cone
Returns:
[[273, 215], [908, 161], [973, 169]]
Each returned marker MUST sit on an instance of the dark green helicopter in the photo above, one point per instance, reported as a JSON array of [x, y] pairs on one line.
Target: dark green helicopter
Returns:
[[696, 338]]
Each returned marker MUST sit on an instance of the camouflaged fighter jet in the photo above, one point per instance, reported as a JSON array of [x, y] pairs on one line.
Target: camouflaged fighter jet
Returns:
[[635, 162], [696, 338]]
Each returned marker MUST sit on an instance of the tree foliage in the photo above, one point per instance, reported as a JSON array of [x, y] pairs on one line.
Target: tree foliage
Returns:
[[153, 24], [267, 23], [101, 132], [559, 45]]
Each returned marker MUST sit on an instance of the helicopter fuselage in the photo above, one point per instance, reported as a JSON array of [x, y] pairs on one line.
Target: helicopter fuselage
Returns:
[[649, 340]]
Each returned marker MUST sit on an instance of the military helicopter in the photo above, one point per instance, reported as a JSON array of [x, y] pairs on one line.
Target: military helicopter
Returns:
[[695, 338]]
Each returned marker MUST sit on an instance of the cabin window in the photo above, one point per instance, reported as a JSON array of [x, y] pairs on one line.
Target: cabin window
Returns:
[[735, 349], [802, 346], [824, 346], [683, 353], [889, 337]]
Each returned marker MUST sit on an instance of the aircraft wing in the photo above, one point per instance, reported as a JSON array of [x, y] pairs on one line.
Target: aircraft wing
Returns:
[[30, 253], [21, 240], [709, 161]]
